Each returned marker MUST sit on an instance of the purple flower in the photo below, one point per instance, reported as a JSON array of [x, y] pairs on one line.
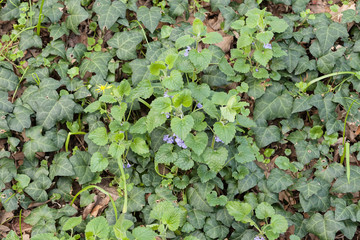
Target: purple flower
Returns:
[[180, 142], [187, 51], [128, 165], [256, 70], [167, 115], [167, 95], [253, 43], [268, 46], [199, 105], [217, 139], [168, 139], [259, 238]]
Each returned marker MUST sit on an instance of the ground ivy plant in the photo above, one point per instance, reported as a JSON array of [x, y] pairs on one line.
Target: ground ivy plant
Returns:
[[194, 120]]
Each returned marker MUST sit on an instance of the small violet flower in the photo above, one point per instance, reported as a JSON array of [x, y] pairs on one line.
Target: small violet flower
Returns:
[[256, 70], [168, 139], [199, 105], [167, 115], [187, 51], [128, 165], [259, 238], [180, 142], [167, 95], [268, 46], [217, 139]]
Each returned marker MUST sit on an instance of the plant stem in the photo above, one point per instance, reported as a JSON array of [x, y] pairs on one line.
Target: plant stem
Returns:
[[20, 225], [144, 102], [41, 16], [123, 176], [101, 190], [68, 139], [326, 76]]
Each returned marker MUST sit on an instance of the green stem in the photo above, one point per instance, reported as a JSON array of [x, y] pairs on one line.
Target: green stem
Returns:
[[68, 139], [347, 153], [41, 17], [326, 76], [143, 31], [144, 102], [123, 176], [347, 114], [21, 236], [101, 190], [17, 87]]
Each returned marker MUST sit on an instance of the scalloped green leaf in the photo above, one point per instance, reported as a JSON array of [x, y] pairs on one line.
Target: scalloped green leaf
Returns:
[[325, 227]]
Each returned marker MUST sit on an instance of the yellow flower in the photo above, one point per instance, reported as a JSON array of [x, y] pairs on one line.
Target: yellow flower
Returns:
[[102, 88]]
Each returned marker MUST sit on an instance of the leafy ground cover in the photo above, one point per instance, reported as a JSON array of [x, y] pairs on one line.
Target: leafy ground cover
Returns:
[[193, 120]]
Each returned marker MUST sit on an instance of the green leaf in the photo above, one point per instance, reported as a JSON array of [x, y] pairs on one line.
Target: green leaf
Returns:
[[212, 38], [215, 159], [11, 235], [51, 109], [344, 212], [149, 17], [294, 52], [99, 227], [214, 230], [165, 154], [324, 227], [98, 163], [182, 126], [200, 60], [182, 98], [61, 166], [264, 210], [240, 211], [278, 25], [99, 136], [143, 233], [8, 80], [81, 166], [37, 142], [139, 146], [214, 200], [198, 27], [118, 112], [265, 37], [225, 132], [77, 14], [36, 189], [10, 11], [307, 189], [197, 196], [184, 41], [156, 67], [197, 218], [266, 135], [143, 90], [225, 67], [9, 200], [263, 56], [273, 104], [184, 160], [278, 223], [29, 39], [71, 223], [342, 185], [244, 40], [306, 151], [278, 180], [21, 119], [97, 63], [109, 12], [53, 12], [174, 81], [126, 43], [328, 34], [241, 66], [177, 7], [197, 143]]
